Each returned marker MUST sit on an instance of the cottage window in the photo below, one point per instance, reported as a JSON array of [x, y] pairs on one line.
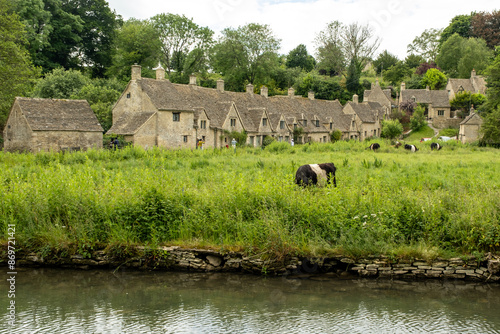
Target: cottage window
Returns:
[[185, 139], [304, 122], [331, 125], [353, 124], [317, 123], [233, 121], [264, 122], [203, 124], [176, 116], [282, 124], [294, 126], [440, 112], [128, 95], [324, 139]]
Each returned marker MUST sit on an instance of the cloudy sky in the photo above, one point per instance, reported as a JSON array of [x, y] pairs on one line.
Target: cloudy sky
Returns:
[[294, 22]]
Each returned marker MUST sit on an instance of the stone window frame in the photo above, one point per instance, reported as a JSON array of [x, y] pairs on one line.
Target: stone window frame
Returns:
[[176, 116]]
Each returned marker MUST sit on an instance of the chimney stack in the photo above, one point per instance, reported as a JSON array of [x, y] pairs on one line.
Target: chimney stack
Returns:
[[220, 85], [192, 80], [264, 91], [160, 73], [249, 88], [136, 72], [355, 99], [310, 95], [403, 86], [291, 92]]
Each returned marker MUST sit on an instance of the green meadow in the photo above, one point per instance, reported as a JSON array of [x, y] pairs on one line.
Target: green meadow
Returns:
[[392, 202]]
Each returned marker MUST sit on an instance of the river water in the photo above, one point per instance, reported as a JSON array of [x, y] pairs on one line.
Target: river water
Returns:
[[103, 301]]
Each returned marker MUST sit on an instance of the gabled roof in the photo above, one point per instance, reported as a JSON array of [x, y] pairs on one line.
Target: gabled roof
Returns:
[[366, 111], [473, 118], [129, 123], [58, 115], [438, 98]]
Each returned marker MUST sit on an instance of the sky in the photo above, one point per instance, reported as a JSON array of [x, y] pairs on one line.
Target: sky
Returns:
[[294, 22]]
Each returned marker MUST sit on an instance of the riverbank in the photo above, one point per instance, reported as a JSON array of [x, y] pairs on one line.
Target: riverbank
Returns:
[[175, 258]]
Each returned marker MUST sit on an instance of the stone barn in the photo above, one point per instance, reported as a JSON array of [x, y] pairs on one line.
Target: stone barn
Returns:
[[36, 125], [470, 128]]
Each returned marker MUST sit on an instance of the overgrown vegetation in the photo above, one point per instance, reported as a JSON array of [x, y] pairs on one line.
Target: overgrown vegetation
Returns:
[[390, 202]]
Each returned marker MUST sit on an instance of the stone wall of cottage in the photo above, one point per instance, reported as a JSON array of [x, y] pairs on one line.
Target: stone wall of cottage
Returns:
[[65, 140], [17, 133]]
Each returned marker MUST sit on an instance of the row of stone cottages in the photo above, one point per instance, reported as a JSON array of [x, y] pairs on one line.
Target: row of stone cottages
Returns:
[[156, 112]]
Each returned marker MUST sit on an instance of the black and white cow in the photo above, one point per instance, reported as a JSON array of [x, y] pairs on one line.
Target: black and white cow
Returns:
[[315, 174], [373, 147], [436, 146], [412, 148]]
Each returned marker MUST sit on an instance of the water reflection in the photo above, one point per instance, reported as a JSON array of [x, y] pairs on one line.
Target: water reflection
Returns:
[[70, 301]]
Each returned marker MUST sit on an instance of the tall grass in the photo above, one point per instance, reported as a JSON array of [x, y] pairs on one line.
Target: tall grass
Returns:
[[386, 202]]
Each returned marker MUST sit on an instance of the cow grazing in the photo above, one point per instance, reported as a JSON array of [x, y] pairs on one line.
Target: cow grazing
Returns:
[[373, 147], [412, 148], [397, 144], [315, 174], [436, 146]]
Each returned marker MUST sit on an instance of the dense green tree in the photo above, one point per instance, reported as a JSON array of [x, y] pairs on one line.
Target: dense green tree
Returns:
[[54, 33], [426, 45], [60, 84], [487, 26], [137, 42], [184, 43], [391, 129], [17, 73], [330, 54], [417, 120], [475, 56], [414, 61], [460, 24], [396, 73], [465, 100], [359, 44], [99, 28], [493, 84], [435, 79], [325, 88], [248, 54], [352, 79], [299, 57], [384, 61], [450, 54]]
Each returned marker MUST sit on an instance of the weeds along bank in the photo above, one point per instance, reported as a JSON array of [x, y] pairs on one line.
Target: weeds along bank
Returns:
[[392, 202]]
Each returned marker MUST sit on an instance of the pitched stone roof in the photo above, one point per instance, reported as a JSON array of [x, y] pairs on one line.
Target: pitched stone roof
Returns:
[[129, 123], [474, 85], [473, 118], [58, 115], [438, 98], [366, 111]]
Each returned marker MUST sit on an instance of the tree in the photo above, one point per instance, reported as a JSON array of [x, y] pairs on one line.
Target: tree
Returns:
[[460, 24], [17, 73], [417, 120], [408, 106], [184, 43], [391, 129], [491, 128], [99, 26], [384, 61], [247, 54], [493, 84], [60, 84], [299, 57], [54, 33], [413, 60], [330, 54], [324, 88], [450, 54], [487, 26], [396, 73], [359, 44], [435, 79], [475, 56], [136, 42], [426, 45], [352, 79], [424, 67], [465, 100]]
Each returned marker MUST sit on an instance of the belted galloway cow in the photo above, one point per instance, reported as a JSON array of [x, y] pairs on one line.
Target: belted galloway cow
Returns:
[[412, 148], [319, 174], [373, 147], [436, 146]]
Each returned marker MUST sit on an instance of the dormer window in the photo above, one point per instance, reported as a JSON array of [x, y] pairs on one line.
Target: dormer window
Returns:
[[317, 123], [304, 122], [264, 122], [233, 121], [128, 95], [203, 124], [331, 125], [282, 124]]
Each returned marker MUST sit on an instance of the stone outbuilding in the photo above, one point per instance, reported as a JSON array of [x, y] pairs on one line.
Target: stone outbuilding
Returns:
[[470, 128], [36, 125]]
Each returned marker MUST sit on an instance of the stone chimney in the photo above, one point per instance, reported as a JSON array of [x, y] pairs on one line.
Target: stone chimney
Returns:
[[136, 72], [403, 86], [264, 91], [160, 73], [355, 99], [427, 87], [249, 88], [310, 95], [291, 92], [220, 85], [473, 73], [192, 80]]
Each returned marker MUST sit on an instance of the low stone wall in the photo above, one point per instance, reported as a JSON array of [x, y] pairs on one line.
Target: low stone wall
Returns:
[[203, 260]]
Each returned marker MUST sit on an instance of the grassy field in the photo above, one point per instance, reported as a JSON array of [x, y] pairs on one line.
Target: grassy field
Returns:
[[392, 202]]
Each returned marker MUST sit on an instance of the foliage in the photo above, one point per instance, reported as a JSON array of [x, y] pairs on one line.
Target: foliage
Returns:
[[335, 136], [247, 54], [299, 57], [450, 55], [183, 42], [330, 53], [408, 106], [136, 42], [413, 60], [460, 24], [384, 61], [426, 45], [465, 100], [491, 128], [324, 88], [449, 132], [60, 84], [424, 67], [487, 27], [17, 73], [391, 129], [268, 140], [493, 84], [396, 73], [435, 79], [417, 120]]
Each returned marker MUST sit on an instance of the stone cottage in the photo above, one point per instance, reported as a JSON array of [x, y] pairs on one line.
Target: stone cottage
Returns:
[[475, 84], [470, 128], [156, 112], [36, 124], [367, 118]]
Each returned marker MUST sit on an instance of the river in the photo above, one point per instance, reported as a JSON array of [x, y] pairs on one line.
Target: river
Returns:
[[125, 301]]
